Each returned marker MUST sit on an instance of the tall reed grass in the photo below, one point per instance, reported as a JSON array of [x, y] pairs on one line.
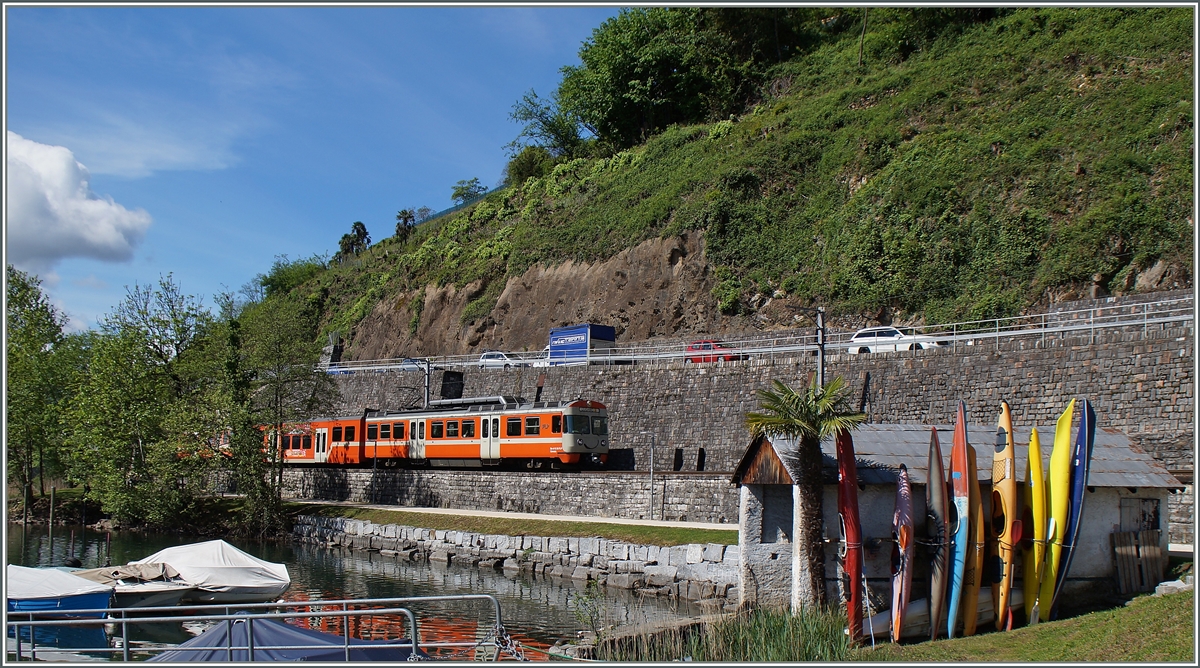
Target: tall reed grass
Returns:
[[758, 635]]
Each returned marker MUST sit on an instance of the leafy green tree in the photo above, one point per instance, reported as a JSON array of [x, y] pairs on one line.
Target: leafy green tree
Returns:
[[405, 219], [531, 162], [646, 69], [808, 416], [143, 420], [467, 190], [286, 275], [547, 125], [270, 356], [353, 243], [36, 380]]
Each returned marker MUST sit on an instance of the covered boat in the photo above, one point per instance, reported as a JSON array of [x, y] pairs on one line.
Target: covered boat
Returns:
[[141, 585], [229, 640], [48, 592], [222, 573]]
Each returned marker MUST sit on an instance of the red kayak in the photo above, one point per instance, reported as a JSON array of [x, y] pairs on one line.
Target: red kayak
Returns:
[[851, 551]]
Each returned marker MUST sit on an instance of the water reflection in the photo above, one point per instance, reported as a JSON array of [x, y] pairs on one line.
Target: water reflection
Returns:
[[537, 612]]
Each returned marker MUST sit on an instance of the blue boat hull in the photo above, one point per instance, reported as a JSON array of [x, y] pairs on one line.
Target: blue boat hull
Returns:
[[83, 606]]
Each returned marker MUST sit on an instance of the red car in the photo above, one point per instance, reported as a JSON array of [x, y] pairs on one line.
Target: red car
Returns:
[[710, 350]]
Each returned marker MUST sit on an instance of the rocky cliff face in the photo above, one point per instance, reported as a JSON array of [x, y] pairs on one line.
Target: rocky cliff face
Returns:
[[662, 287]]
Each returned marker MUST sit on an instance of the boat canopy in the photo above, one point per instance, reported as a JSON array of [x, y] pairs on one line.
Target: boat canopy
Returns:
[[112, 575], [221, 642], [218, 566], [37, 583]]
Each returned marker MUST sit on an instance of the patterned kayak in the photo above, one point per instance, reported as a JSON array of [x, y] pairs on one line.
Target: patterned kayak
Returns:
[[1005, 527], [936, 533], [902, 554], [960, 522], [973, 575], [851, 552]]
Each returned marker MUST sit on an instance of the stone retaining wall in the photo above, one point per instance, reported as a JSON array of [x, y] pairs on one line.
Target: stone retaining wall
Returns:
[[678, 497], [705, 573]]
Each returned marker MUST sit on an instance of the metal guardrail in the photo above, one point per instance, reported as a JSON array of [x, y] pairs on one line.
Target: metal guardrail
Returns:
[[967, 333], [123, 619]]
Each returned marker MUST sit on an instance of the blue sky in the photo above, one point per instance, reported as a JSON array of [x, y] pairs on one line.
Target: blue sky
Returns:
[[213, 139]]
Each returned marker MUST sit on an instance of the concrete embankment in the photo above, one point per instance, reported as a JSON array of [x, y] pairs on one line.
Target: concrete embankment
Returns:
[[705, 573]]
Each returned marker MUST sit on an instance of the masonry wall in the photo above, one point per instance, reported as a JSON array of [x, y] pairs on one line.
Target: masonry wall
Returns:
[[765, 571], [706, 573], [684, 497]]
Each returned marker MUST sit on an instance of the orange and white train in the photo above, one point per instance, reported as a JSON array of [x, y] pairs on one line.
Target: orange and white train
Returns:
[[470, 432]]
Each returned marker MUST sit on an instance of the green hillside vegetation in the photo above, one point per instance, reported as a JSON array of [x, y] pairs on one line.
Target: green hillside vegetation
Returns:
[[966, 169]]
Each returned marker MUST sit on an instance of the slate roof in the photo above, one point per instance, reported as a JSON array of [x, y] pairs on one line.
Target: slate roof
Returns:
[[880, 449]]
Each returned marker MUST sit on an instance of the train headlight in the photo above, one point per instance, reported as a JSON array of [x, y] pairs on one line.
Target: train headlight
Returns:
[[604, 443]]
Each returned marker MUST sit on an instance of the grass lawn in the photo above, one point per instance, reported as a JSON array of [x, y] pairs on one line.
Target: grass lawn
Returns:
[[1150, 628], [641, 535]]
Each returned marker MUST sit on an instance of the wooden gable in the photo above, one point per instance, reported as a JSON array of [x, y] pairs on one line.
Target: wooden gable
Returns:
[[761, 465]]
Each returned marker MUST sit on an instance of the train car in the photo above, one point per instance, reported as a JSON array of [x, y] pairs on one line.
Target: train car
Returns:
[[471, 432]]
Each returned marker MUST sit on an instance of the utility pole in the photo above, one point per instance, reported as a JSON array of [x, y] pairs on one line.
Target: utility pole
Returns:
[[821, 346], [428, 372]]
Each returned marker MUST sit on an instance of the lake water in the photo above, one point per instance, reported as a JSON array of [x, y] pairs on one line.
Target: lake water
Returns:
[[536, 612]]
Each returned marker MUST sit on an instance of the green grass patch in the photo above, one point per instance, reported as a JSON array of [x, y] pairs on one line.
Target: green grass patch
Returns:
[[631, 533], [1150, 628]]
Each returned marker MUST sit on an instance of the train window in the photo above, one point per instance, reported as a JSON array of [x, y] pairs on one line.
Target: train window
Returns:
[[600, 426], [485, 428], [452, 429], [556, 424], [469, 429], [399, 431], [435, 429], [578, 424], [513, 427], [306, 442], [372, 432], [337, 434], [533, 425], [385, 431], [421, 430], [350, 433]]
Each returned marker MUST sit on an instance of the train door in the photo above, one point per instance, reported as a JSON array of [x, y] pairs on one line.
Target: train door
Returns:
[[321, 446], [489, 438], [417, 436]]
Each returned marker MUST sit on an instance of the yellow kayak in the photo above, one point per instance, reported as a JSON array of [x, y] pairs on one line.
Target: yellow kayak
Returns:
[[1058, 504], [1005, 526], [1034, 526]]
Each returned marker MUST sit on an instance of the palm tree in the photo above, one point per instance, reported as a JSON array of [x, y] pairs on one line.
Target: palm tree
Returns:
[[808, 416], [404, 222]]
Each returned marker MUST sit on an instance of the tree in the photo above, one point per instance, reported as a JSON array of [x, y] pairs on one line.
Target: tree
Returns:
[[405, 219], [531, 162], [423, 213], [353, 243], [547, 125], [269, 368], [807, 416], [142, 423], [467, 190], [36, 380]]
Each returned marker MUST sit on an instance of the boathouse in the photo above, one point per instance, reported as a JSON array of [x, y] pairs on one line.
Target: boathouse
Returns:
[[1126, 505]]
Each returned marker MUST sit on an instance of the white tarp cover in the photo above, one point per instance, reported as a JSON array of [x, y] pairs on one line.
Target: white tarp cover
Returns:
[[218, 566], [23, 584]]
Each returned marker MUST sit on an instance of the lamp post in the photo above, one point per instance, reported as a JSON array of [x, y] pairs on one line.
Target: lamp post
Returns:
[[651, 435]]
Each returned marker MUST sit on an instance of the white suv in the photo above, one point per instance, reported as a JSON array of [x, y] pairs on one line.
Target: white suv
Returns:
[[498, 360], [890, 339]]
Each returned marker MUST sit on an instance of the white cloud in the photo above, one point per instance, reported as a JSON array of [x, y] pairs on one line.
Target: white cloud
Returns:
[[52, 214]]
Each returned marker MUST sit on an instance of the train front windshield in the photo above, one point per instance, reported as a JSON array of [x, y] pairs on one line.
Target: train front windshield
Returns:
[[600, 426], [580, 424]]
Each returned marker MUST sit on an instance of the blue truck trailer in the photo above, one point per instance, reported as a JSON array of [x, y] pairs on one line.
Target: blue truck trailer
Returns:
[[581, 344]]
